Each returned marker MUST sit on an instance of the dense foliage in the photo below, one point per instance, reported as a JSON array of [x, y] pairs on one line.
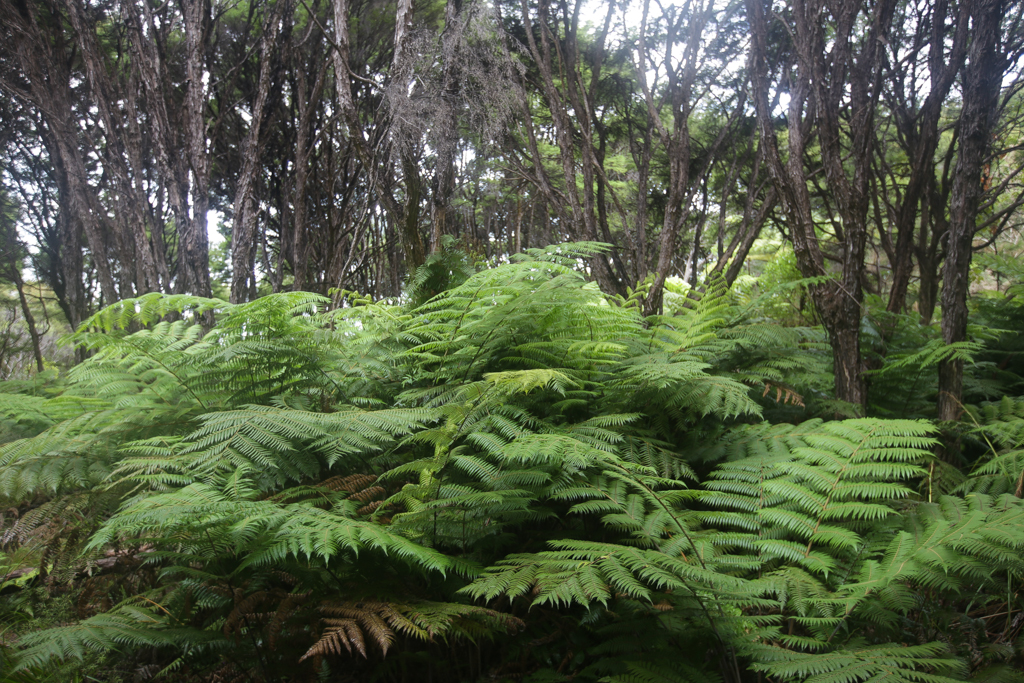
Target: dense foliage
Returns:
[[716, 437], [232, 149], [519, 479]]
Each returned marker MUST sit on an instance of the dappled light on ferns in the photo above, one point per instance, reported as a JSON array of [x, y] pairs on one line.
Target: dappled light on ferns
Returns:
[[517, 472]]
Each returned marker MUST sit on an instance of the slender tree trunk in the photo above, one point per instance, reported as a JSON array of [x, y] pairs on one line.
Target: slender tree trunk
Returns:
[[919, 133], [685, 178], [13, 248], [170, 126], [193, 242], [732, 259], [411, 241], [640, 257], [45, 58], [411, 238], [690, 274], [30, 321], [121, 154], [570, 102], [446, 136], [81, 206], [981, 83], [833, 91], [71, 255], [303, 155], [928, 287], [243, 229]]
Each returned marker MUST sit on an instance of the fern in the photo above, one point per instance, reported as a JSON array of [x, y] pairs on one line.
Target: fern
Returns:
[[877, 663], [299, 484], [132, 624]]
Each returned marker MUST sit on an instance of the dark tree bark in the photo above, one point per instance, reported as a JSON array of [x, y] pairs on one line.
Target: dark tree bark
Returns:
[[33, 180], [243, 230], [178, 126], [446, 132], [982, 77], [303, 158], [193, 241], [933, 230], [122, 153], [571, 106], [759, 203], [43, 53], [684, 31], [834, 91], [30, 321], [918, 127], [11, 250], [375, 160]]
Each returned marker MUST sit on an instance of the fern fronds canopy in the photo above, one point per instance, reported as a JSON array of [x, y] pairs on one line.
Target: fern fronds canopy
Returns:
[[515, 467]]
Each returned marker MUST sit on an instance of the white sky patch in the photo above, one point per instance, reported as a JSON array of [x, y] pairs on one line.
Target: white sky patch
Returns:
[[783, 107], [213, 221]]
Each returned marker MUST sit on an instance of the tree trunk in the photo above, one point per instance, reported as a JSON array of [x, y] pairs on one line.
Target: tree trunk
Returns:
[[45, 59], [121, 152], [981, 83], [412, 241], [303, 155], [178, 129], [928, 288], [193, 242], [834, 92], [243, 229], [446, 132], [570, 104], [12, 249], [43, 55], [30, 321], [685, 32], [919, 134], [379, 176]]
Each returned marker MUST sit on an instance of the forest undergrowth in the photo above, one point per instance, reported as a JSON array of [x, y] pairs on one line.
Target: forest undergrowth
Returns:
[[518, 479]]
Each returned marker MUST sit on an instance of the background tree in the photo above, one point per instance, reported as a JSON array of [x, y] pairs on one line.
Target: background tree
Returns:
[[982, 77], [833, 86], [340, 146]]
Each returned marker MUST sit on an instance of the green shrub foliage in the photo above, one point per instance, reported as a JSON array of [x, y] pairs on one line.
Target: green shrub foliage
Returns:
[[518, 479]]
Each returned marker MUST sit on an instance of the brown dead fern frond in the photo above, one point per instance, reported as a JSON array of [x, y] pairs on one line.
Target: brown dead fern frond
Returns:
[[370, 508], [783, 394], [338, 634], [245, 612], [352, 482], [368, 494], [285, 609]]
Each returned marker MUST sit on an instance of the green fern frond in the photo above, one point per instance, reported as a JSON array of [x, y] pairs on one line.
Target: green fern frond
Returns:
[[135, 623], [878, 663]]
